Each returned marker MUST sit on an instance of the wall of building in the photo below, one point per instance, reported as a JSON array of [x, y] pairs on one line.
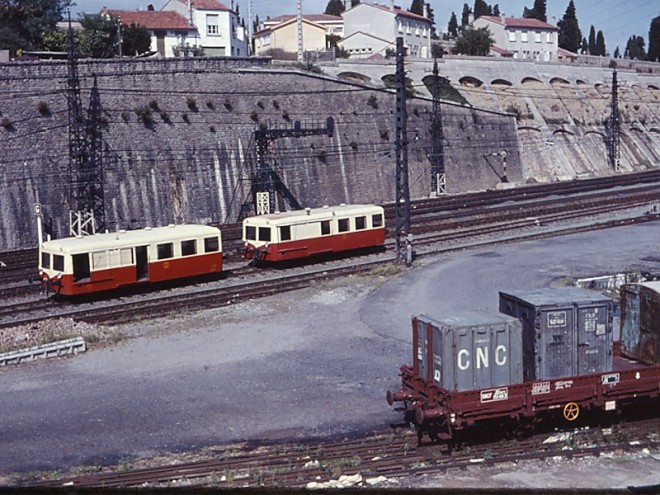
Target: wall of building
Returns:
[[179, 142]]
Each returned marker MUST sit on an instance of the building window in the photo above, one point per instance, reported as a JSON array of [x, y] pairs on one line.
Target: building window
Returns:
[[523, 36], [537, 36], [512, 36], [400, 27], [548, 37], [212, 24]]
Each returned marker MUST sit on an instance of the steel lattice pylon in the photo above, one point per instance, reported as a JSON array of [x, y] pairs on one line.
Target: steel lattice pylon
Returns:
[[613, 122], [438, 179]]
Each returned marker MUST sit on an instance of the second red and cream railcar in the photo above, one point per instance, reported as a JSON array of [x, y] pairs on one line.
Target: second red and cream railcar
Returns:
[[101, 262], [298, 234]]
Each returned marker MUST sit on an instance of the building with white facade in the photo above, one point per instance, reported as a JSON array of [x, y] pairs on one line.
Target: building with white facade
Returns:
[[283, 36], [372, 29], [519, 38], [333, 24], [218, 30]]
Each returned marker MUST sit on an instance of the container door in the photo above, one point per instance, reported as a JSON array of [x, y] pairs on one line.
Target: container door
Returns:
[[649, 327], [556, 344], [141, 263], [594, 339], [630, 320], [422, 348]]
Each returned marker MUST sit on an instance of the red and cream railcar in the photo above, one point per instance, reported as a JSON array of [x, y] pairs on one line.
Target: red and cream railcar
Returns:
[[83, 265], [313, 231]]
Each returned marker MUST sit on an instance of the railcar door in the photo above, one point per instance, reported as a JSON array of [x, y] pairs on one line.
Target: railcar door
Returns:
[[80, 267], [141, 263]]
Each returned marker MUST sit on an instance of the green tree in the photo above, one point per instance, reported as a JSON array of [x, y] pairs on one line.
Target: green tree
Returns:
[[496, 10], [584, 46], [99, 36], [334, 7], [569, 30], [592, 41], [481, 8], [635, 48], [465, 16], [25, 23], [538, 11], [474, 42], [600, 44], [135, 40], [654, 40], [617, 53], [452, 26], [417, 7]]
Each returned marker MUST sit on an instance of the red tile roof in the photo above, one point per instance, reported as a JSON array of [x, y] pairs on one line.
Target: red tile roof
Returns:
[[151, 19], [399, 11], [518, 22], [309, 17], [501, 51], [207, 5]]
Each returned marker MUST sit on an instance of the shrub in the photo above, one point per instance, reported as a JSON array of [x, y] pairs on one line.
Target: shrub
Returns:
[[354, 145], [384, 133], [212, 129], [192, 103], [254, 116], [210, 105], [276, 104], [7, 124], [373, 102], [124, 117], [227, 104], [153, 104], [43, 108], [185, 118], [145, 115], [261, 105], [165, 116], [285, 115]]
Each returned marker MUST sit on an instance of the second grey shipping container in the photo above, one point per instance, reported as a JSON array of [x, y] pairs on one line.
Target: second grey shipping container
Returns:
[[468, 350], [640, 322], [567, 331]]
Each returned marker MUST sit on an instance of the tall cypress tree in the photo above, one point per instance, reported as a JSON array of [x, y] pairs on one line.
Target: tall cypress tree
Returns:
[[417, 7], [569, 30], [592, 41], [452, 27], [600, 44], [537, 12], [481, 8], [635, 48], [334, 7], [496, 10], [465, 17], [654, 40]]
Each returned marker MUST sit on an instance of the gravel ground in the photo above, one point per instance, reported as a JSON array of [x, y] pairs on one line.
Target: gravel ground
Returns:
[[312, 364]]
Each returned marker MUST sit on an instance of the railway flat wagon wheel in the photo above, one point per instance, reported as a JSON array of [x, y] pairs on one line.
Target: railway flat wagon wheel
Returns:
[[571, 411]]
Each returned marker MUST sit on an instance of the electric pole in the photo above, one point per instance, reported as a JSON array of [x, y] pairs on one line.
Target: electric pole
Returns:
[[438, 179], [612, 127], [300, 33], [402, 207]]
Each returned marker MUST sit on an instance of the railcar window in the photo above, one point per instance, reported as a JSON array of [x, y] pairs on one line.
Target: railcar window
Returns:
[[126, 256], [165, 250], [264, 234], [80, 267], [285, 233], [188, 248], [325, 227], [343, 224], [45, 260], [250, 233], [211, 244], [360, 223], [377, 220], [58, 262], [100, 260]]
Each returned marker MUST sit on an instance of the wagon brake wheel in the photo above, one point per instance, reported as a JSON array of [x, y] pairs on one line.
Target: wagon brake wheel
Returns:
[[571, 411]]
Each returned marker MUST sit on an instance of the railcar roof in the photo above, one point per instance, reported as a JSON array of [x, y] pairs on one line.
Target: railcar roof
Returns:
[[317, 214], [115, 240]]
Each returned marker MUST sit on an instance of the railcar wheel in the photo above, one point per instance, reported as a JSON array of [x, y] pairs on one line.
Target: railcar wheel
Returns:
[[571, 411]]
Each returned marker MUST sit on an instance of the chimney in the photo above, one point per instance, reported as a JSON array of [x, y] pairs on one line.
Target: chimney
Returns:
[[470, 18], [347, 5], [392, 5], [425, 13]]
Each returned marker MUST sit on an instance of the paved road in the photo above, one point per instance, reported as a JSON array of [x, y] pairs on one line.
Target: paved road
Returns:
[[312, 364]]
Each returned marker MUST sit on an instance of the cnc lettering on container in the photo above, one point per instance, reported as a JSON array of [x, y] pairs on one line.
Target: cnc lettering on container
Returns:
[[481, 357]]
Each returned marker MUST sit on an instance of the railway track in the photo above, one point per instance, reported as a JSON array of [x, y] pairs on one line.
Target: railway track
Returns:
[[437, 234], [389, 454]]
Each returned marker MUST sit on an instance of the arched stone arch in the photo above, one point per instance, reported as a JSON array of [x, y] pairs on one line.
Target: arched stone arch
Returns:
[[559, 80], [528, 128], [354, 76], [470, 81], [653, 87], [530, 80], [580, 82], [501, 82], [597, 133], [654, 130], [563, 132]]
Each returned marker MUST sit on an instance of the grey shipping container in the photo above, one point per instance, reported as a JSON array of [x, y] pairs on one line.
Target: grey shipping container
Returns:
[[567, 331], [640, 322], [470, 350]]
